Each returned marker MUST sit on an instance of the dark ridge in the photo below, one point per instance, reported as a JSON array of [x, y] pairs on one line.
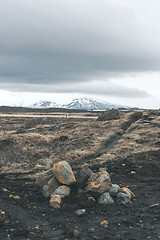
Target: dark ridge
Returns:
[[6, 109]]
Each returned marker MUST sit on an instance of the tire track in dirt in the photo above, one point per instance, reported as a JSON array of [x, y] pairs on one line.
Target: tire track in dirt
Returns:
[[113, 140]]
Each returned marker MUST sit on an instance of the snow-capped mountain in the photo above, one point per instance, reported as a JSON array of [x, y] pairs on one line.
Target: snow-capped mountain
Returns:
[[88, 104], [78, 103], [44, 104]]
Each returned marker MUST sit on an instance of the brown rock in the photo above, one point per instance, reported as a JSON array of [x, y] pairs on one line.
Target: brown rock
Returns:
[[55, 201], [127, 191], [63, 172], [99, 182], [104, 223], [50, 187]]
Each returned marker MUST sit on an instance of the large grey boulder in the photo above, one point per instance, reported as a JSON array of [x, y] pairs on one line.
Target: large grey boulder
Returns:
[[105, 198], [63, 172]]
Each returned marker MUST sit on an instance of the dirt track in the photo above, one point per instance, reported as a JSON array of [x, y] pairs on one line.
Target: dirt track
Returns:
[[30, 217]]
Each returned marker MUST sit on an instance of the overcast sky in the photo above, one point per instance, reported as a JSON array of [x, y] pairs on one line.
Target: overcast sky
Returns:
[[61, 49]]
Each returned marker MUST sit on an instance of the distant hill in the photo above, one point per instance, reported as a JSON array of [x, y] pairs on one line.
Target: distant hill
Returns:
[[77, 104], [88, 104]]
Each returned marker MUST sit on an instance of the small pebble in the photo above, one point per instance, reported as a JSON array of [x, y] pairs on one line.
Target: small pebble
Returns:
[[5, 190], [80, 212], [76, 233], [104, 223], [16, 197], [132, 172]]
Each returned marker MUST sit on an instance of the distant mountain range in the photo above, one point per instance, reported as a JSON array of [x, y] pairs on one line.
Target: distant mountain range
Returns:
[[88, 104], [78, 103], [44, 104]]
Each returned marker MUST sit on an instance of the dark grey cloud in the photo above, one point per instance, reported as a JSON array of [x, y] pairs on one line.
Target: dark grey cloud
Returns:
[[68, 42], [95, 87]]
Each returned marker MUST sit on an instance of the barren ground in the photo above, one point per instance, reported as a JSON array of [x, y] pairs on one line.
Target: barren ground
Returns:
[[127, 144]]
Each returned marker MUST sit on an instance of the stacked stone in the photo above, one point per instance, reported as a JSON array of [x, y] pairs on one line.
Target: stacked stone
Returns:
[[101, 183], [57, 183]]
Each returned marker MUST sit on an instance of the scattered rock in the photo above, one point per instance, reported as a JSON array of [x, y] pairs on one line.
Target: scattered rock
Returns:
[[63, 172], [83, 174], [5, 190], [80, 212], [132, 172], [99, 182], [11, 195], [42, 179], [126, 190], [16, 197], [123, 198], [114, 190], [50, 187], [105, 198], [156, 205], [55, 201], [76, 233], [62, 191], [104, 223]]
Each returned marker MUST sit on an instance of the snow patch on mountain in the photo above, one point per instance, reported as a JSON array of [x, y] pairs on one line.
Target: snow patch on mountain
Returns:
[[88, 104], [44, 104], [78, 103]]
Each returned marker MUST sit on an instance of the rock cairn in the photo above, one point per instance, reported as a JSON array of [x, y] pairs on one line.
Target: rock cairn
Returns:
[[91, 188]]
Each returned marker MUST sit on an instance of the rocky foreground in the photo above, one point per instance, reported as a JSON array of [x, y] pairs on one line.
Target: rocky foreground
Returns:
[[88, 186], [124, 150]]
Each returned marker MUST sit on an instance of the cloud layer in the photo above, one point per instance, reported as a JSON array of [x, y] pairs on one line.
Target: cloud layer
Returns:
[[67, 45]]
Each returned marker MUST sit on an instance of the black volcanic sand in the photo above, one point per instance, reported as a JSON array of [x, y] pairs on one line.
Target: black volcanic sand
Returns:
[[30, 217]]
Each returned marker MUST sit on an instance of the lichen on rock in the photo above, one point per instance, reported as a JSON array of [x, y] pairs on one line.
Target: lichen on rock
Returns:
[[99, 182], [63, 172]]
